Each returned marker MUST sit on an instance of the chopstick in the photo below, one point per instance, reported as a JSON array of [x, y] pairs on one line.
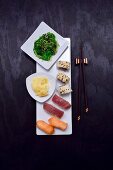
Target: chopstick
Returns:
[[81, 79], [84, 82], [79, 92]]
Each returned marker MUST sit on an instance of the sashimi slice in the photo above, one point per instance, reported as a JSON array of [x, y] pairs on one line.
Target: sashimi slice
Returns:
[[53, 110], [61, 102]]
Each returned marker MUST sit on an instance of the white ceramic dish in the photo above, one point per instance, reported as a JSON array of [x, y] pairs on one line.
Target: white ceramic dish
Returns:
[[41, 113], [52, 82], [27, 47]]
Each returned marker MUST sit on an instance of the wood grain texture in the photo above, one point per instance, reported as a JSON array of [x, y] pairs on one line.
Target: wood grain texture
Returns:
[[90, 21]]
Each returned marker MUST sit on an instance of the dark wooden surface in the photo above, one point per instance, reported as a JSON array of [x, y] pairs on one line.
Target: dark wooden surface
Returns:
[[91, 143]]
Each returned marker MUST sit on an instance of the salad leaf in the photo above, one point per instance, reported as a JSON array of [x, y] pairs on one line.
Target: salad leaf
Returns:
[[46, 46]]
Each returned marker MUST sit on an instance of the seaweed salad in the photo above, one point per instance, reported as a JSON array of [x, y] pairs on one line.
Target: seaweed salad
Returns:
[[46, 46]]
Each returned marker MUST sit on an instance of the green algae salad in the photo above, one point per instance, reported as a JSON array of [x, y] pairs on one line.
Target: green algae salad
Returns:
[[46, 46]]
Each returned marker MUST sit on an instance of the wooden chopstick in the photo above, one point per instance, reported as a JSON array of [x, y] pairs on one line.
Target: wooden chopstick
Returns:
[[79, 92], [81, 80], [84, 81]]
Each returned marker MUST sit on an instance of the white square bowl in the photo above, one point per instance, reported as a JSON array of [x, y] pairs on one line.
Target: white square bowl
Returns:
[[28, 46]]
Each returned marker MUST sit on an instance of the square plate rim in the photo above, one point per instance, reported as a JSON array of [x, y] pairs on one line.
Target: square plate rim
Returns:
[[61, 50]]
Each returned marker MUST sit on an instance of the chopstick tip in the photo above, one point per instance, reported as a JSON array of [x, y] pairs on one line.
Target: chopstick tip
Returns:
[[86, 110], [78, 118]]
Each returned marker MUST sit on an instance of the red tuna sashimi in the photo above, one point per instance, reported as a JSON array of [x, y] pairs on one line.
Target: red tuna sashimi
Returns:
[[61, 102], [53, 110]]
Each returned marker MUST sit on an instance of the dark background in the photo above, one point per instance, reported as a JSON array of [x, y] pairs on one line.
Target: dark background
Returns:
[[91, 144]]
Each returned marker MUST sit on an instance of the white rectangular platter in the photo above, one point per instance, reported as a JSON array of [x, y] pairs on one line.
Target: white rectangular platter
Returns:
[[41, 113]]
